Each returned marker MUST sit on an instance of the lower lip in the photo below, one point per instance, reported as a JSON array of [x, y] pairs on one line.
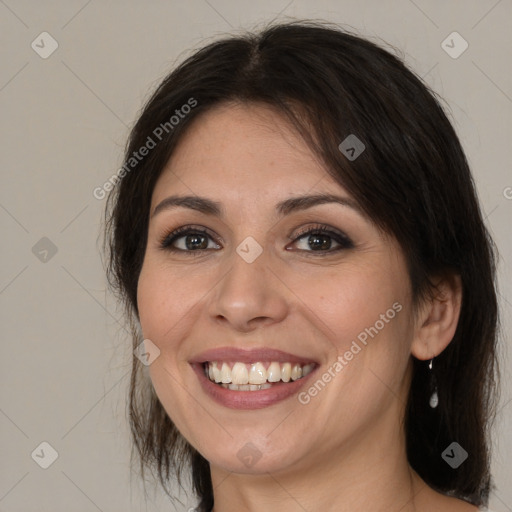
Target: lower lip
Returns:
[[248, 399]]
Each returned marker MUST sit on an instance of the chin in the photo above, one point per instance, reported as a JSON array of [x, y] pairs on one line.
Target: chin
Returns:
[[251, 460]]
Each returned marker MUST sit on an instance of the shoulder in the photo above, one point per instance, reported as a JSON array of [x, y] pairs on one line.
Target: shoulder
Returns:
[[429, 499], [442, 503], [457, 505]]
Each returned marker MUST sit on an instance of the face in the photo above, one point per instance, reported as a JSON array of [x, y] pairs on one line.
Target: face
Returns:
[[306, 294]]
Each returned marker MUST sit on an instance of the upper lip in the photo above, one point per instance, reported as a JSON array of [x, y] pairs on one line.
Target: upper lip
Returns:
[[249, 355]]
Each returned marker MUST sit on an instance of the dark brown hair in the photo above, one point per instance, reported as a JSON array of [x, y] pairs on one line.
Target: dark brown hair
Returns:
[[413, 181]]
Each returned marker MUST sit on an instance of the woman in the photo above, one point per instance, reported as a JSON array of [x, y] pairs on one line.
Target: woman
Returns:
[[296, 235]]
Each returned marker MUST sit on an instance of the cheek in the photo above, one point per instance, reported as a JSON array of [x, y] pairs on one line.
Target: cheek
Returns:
[[352, 301], [164, 315], [363, 313], [165, 298]]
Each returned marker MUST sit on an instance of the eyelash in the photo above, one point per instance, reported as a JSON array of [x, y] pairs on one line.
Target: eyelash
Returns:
[[342, 239]]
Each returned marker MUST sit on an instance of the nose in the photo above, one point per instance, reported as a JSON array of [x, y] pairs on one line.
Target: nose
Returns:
[[249, 296]]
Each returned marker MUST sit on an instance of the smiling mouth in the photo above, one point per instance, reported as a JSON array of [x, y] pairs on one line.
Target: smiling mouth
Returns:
[[239, 376]]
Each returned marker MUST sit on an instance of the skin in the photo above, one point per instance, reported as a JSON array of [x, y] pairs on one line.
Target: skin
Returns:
[[345, 449]]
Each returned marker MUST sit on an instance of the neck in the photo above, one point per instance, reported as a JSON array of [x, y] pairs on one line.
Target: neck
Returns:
[[369, 471]]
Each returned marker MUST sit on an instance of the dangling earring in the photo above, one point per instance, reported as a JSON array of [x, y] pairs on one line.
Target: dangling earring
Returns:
[[434, 398]]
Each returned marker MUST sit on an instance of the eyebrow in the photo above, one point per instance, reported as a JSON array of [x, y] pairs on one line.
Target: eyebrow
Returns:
[[214, 208]]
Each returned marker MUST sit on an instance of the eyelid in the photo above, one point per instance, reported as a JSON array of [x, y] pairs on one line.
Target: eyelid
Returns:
[[170, 236], [321, 228]]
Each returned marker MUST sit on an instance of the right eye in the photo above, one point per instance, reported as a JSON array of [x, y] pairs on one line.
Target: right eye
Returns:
[[189, 240]]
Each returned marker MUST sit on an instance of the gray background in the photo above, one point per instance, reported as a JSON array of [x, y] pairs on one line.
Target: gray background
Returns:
[[64, 120]]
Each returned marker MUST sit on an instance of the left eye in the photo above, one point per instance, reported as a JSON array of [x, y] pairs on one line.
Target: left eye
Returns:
[[320, 240]]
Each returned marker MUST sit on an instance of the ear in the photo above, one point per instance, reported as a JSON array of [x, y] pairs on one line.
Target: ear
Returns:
[[437, 318]]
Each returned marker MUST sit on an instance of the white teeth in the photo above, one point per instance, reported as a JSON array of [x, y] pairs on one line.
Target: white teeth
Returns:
[[274, 372], [247, 387], [225, 374], [258, 374], [217, 377], [236, 387], [286, 372], [252, 377], [240, 375], [307, 369], [296, 372]]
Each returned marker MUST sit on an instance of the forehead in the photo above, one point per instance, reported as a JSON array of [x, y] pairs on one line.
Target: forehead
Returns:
[[243, 150]]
